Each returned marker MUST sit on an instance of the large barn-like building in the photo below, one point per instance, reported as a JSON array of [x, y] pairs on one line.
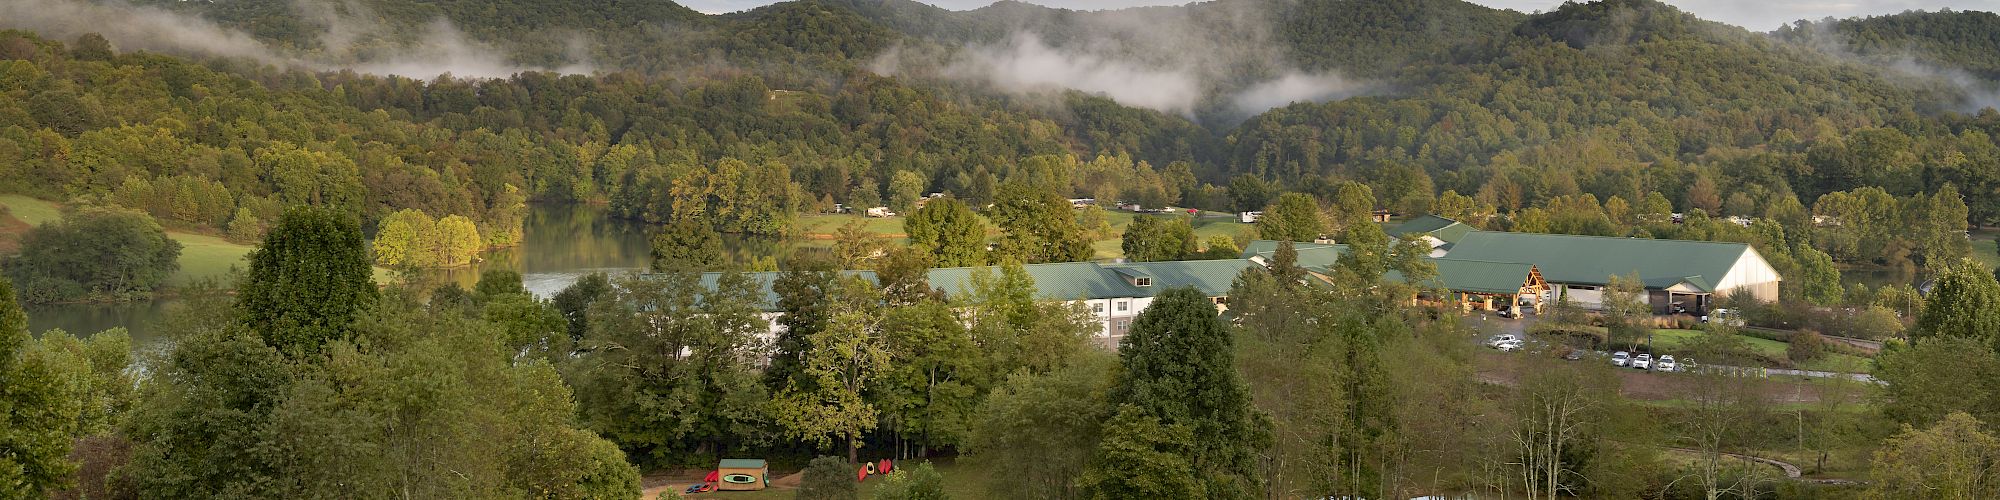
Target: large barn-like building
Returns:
[[1680, 276], [1476, 270]]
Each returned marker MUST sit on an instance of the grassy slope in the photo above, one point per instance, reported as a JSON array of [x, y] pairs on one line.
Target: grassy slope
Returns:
[[1984, 248], [1669, 341], [203, 257]]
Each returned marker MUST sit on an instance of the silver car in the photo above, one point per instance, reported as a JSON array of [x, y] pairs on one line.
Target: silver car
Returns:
[[1620, 358]]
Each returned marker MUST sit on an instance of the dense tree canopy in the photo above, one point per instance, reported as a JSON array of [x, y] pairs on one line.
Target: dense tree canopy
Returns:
[[308, 283], [94, 253]]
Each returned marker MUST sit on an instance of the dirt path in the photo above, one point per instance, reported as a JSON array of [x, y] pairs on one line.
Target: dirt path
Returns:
[[1791, 471]]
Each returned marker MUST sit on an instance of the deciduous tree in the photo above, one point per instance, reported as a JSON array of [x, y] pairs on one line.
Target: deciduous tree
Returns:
[[308, 282]]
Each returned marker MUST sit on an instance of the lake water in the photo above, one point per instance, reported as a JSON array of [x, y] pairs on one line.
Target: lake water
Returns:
[[561, 243]]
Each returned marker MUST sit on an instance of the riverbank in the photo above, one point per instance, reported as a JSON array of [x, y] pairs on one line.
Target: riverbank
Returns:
[[204, 258]]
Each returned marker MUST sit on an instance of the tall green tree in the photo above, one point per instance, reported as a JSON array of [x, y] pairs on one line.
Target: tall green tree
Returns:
[[1141, 458], [1178, 367], [308, 282], [1148, 239], [934, 379], [665, 370], [1953, 459], [574, 302], [1295, 217], [1037, 432], [841, 360], [38, 411], [1964, 303], [1016, 329], [1036, 226], [949, 231], [686, 244], [404, 239], [805, 296], [905, 188]]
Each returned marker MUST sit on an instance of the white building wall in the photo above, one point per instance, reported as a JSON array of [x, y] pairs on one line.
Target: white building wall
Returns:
[[1587, 299], [1750, 272]]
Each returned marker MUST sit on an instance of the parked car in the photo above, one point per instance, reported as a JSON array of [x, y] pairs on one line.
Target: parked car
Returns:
[[1573, 354], [1620, 358], [1502, 339], [1666, 364], [1508, 346], [1643, 362]]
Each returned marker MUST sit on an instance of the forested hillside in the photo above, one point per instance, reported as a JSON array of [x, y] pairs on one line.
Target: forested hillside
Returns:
[[313, 128]]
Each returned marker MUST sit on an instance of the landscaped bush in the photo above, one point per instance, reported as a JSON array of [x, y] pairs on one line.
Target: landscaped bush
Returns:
[[1806, 345], [913, 483], [827, 478], [1591, 336]]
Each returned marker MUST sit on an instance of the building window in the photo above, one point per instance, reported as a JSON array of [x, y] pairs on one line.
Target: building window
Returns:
[[1124, 306], [1121, 326], [1221, 300], [1097, 308], [1581, 287], [1144, 281]]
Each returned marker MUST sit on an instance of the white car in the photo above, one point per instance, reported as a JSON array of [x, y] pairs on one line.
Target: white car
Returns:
[[1643, 362], [1665, 364], [1504, 339], [1620, 358], [1508, 346]]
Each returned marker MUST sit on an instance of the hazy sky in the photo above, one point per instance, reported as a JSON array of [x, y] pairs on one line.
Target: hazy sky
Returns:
[[1758, 15]]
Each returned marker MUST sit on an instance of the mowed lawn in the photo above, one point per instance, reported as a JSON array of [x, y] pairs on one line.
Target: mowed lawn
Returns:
[[1669, 341], [1984, 247], [203, 257]]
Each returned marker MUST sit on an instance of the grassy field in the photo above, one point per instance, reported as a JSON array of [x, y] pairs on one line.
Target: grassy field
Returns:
[[30, 210], [203, 257], [1668, 341], [1984, 248], [206, 257]]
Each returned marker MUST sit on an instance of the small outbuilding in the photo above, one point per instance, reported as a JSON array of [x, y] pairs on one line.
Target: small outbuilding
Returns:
[[742, 474]]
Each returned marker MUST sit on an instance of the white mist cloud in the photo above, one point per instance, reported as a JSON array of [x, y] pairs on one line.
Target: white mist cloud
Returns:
[[1025, 65], [1294, 87], [440, 49], [132, 27], [1216, 60]]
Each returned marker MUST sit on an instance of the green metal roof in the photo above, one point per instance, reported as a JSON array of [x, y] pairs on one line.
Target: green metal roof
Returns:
[[1311, 255], [1257, 247], [1055, 281], [1446, 230], [1212, 277], [1482, 276], [740, 463], [1592, 260]]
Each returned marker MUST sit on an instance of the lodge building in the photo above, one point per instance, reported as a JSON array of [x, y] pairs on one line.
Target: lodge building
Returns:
[[1476, 270]]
